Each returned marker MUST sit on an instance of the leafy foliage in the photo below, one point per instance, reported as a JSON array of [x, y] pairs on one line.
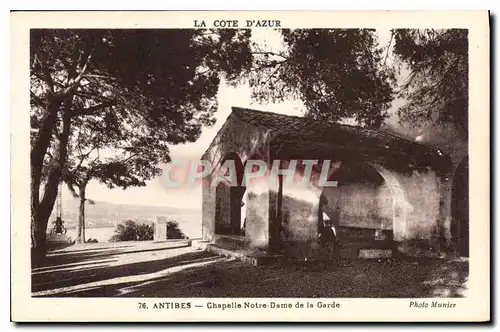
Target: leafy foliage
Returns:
[[132, 231], [136, 86], [437, 88], [162, 77], [129, 92], [173, 230], [338, 74]]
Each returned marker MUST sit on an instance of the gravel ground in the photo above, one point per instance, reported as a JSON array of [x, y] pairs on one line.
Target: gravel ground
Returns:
[[160, 270]]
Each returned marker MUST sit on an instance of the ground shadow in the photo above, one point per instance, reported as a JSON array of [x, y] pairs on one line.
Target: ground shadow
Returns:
[[64, 257], [70, 270], [190, 273]]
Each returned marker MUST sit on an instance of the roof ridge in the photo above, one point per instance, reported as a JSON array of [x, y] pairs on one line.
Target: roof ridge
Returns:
[[237, 110], [244, 109], [376, 141]]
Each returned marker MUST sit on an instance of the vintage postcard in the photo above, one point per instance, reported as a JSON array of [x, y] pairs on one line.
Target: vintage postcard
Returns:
[[321, 166]]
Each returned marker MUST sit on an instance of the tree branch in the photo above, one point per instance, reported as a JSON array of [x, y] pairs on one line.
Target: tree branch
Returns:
[[273, 73], [93, 96], [73, 83], [71, 67], [388, 48], [37, 99], [93, 109], [83, 156], [100, 76], [129, 157], [84, 69], [46, 75], [270, 53]]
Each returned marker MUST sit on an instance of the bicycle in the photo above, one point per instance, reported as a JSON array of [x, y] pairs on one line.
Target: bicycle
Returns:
[[58, 227]]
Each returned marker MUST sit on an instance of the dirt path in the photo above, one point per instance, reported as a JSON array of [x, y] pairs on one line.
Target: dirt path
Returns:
[[159, 270]]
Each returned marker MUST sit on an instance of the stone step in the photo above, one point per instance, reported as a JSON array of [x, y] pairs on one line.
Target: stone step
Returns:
[[200, 244], [230, 242], [375, 253], [224, 251], [251, 257], [352, 250]]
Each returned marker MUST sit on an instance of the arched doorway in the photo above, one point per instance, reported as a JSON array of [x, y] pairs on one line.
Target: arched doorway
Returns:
[[460, 208], [362, 208], [229, 196]]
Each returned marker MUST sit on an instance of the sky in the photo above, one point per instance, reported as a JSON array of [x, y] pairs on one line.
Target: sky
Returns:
[[155, 193]]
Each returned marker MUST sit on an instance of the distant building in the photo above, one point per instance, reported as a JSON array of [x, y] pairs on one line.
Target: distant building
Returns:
[[388, 188]]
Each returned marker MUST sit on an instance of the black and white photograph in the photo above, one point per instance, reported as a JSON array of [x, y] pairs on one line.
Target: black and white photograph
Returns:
[[250, 159]]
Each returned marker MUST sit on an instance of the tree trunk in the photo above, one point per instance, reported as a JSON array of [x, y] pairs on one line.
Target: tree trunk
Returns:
[[37, 155], [81, 217], [38, 239], [42, 212]]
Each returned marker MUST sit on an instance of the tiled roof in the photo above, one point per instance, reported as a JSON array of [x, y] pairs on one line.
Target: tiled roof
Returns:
[[377, 142]]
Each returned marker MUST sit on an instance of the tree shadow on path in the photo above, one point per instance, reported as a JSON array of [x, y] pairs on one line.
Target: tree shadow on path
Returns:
[[71, 270], [185, 272]]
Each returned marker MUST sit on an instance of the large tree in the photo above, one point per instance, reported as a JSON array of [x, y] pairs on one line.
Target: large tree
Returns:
[[437, 87], [152, 85], [339, 74], [101, 149]]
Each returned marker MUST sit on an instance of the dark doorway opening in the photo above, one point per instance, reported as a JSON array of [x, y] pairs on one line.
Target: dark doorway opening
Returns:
[[229, 199], [359, 210]]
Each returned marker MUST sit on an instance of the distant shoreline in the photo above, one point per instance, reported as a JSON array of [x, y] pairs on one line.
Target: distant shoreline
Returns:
[[104, 233]]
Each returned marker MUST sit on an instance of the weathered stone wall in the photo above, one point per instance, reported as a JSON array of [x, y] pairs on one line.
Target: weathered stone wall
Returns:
[[409, 205], [300, 210], [454, 144], [416, 201], [246, 141], [223, 208], [423, 194], [362, 205], [257, 214], [446, 219], [300, 221], [365, 205]]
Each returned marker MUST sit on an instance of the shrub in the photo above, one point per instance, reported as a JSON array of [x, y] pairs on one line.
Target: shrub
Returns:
[[132, 231], [173, 230]]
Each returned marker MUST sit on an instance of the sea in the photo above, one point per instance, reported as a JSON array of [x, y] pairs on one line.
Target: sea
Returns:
[[103, 234]]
